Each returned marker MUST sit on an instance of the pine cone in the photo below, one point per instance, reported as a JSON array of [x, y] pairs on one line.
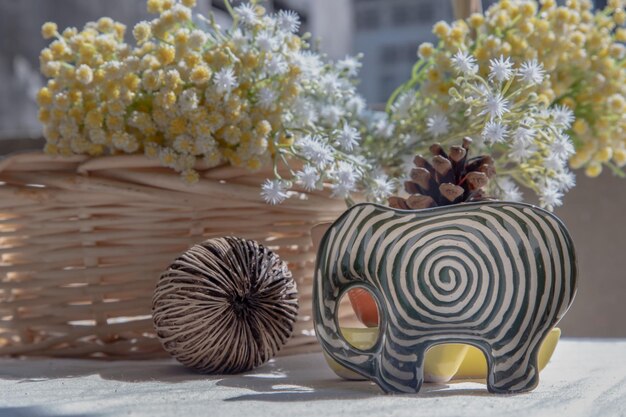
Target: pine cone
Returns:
[[448, 179]]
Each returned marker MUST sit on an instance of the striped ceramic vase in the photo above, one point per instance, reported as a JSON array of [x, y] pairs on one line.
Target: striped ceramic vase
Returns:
[[495, 275]]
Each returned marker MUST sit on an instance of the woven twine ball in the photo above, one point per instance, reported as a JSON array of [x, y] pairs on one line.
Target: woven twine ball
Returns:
[[226, 305]]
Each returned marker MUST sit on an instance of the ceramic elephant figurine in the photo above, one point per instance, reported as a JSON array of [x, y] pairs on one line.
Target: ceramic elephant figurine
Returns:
[[495, 275]]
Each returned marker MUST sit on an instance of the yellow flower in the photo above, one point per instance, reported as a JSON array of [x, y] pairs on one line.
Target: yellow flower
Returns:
[[49, 30], [526, 27], [105, 24], [441, 29], [165, 54], [142, 32], [94, 118], [254, 163], [43, 115], [528, 9], [603, 155], [178, 126], [200, 74], [151, 80], [84, 74], [263, 128], [593, 169], [182, 14], [425, 50], [181, 37], [131, 81], [619, 157], [617, 103], [456, 35], [59, 49], [190, 176], [433, 74], [580, 127], [619, 16], [154, 6], [44, 96], [476, 20]]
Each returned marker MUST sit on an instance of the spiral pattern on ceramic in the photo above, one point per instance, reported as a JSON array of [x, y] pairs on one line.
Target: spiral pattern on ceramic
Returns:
[[226, 305], [495, 275]]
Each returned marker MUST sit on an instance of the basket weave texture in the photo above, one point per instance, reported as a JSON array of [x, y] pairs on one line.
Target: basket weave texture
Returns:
[[83, 242]]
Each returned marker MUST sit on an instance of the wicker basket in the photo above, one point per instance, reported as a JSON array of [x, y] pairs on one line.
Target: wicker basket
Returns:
[[83, 241]]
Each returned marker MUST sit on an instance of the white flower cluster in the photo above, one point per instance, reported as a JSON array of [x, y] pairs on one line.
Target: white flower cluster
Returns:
[[503, 115]]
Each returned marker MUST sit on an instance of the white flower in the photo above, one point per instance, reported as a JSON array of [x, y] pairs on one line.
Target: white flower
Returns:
[[356, 105], [225, 80], [265, 41], [520, 151], [276, 65], [403, 104], [303, 111], [510, 191], [267, 97], [562, 147], [288, 21], [247, 14], [494, 132], [566, 180], [308, 177], [562, 116], [318, 153], [345, 173], [197, 39], [464, 62], [554, 163], [274, 191], [495, 105], [531, 72], [500, 69], [550, 196], [347, 137], [340, 190], [524, 135], [188, 100], [330, 84], [350, 65], [437, 125], [309, 63], [332, 114], [381, 125], [380, 188]]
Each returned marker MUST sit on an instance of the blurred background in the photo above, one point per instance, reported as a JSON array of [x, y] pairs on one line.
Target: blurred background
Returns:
[[388, 33]]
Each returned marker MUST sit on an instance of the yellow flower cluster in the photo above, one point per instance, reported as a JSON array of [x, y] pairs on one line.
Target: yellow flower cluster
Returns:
[[183, 94], [582, 52]]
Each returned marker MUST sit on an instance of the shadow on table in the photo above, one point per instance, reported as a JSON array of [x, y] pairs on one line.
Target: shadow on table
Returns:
[[286, 379], [40, 369], [337, 389], [36, 411]]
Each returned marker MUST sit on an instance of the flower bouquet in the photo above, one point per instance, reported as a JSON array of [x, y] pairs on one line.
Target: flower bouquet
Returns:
[[195, 132], [534, 85]]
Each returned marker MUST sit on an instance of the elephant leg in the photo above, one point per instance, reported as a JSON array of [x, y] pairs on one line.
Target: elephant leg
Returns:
[[513, 372], [400, 370]]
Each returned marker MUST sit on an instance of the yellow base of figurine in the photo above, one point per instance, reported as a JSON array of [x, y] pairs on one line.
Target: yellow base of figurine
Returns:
[[443, 362]]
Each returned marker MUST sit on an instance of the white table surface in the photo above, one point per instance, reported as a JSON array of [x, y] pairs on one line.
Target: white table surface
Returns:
[[586, 377]]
